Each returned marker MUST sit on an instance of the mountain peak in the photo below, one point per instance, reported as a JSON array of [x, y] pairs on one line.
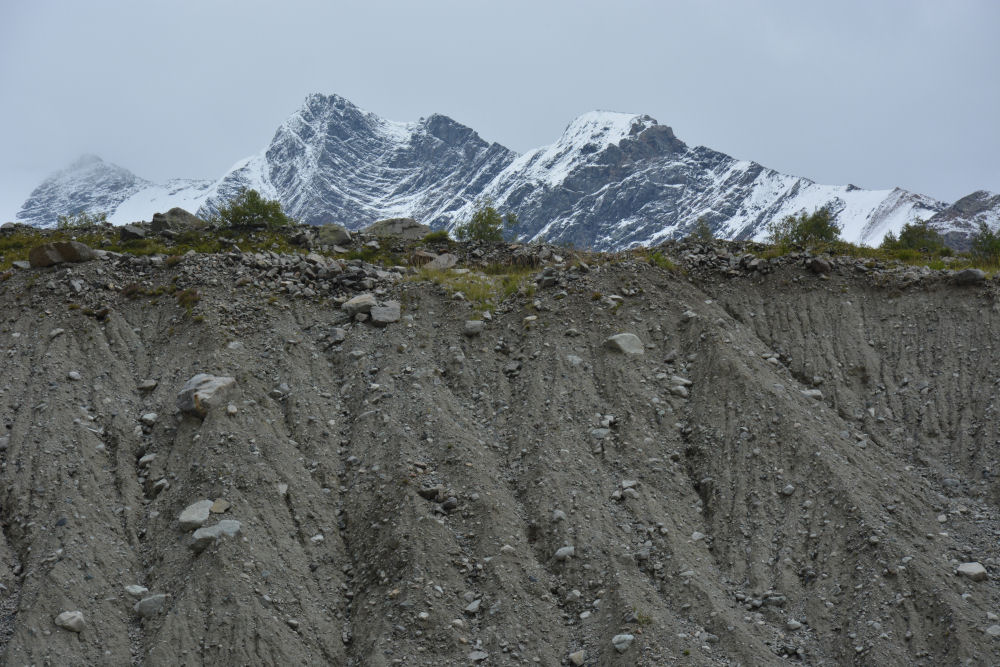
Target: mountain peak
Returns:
[[86, 160]]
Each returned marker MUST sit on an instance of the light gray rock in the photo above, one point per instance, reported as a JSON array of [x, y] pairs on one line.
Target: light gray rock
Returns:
[[565, 553], [362, 303], [204, 392], [71, 620], [473, 607], [74, 375], [406, 228], [814, 394], [385, 314], [622, 642], [333, 235], [195, 515], [443, 261], [150, 606], [4, 442], [577, 658], [626, 343], [478, 656], [473, 328], [993, 630], [136, 590], [149, 418], [205, 536], [974, 571], [148, 385]]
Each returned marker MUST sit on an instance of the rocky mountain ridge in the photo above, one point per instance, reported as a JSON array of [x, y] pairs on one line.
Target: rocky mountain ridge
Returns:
[[610, 181]]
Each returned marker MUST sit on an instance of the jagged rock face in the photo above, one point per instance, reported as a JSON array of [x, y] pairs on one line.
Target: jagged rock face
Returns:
[[962, 219], [614, 180], [88, 185], [611, 181], [333, 162]]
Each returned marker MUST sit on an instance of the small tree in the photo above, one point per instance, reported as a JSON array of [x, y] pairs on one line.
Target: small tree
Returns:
[[701, 231], [986, 244], [486, 224], [916, 236], [818, 227], [249, 209]]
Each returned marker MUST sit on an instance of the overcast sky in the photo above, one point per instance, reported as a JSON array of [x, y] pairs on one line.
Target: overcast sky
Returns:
[[875, 93]]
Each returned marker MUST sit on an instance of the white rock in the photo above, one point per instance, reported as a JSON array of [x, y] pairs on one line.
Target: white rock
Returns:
[[136, 590], [74, 375], [626, 343], [993, 630], [565, 553], [974, 571], [695, 536], [70, 620], [149, 418], [195, 515], [207, 535]]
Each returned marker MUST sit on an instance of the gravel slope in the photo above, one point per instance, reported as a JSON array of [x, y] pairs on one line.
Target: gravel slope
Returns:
[[731, 520]]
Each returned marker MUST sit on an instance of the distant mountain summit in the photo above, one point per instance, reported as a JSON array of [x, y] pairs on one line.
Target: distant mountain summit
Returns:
[[612, 180]]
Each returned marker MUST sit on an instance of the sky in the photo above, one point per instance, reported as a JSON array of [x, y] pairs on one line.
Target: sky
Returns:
[[879, 94]]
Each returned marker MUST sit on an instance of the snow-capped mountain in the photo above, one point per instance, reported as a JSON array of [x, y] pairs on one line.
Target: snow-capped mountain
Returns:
[[614, 180], [92, 185], [333, 162], [611, 181]]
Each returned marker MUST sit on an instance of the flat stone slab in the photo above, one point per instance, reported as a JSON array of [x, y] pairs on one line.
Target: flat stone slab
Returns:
[[195, 514]]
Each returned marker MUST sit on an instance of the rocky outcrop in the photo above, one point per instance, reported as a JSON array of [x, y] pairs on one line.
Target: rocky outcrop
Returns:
[[59, 252]]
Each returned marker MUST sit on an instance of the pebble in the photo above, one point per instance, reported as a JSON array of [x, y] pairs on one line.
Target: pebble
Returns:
[[136, 591], [473, 328], [577, 658], [473, 607], [695, 536], [219, 506], [565, 553], [149, 418], [788, 490], [993, 630], [478, 656], [793, 625], [74, 375], [148, 385], [622, 642], [71, 620]]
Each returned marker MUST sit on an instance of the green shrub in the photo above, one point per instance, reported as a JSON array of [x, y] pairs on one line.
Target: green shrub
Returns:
[[916, 236], [817, 227], [250, 209], [986, 245], [486, 224], [80, 219], [439, 236]]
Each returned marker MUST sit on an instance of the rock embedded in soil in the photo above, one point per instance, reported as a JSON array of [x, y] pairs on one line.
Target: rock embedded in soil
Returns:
[[622, 642], [473, 328], [206, 536], [974, 571], [362, 303], [150, 606], [195, 515], [203, 392], [565, 553], [970, 277], [71, 620], [59, 252], [577, 658], [626, 343], [385, 314]]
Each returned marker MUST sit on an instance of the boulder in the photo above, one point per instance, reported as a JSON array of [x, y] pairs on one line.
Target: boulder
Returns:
[[974, 571], [819, 265], [204, 392], [333, 235], [150, 606], [626, 343], [205, 536], [48, 254], [385, 314], [70, 620], [362, 303], [442, 262], [406, 228], [421, 257], [970, 277], [195, 515], [176, 219], [131, 233]]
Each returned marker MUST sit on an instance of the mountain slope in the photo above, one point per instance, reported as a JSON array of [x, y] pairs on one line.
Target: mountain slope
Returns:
[[333, 162], [611, 180], [614, 180]]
